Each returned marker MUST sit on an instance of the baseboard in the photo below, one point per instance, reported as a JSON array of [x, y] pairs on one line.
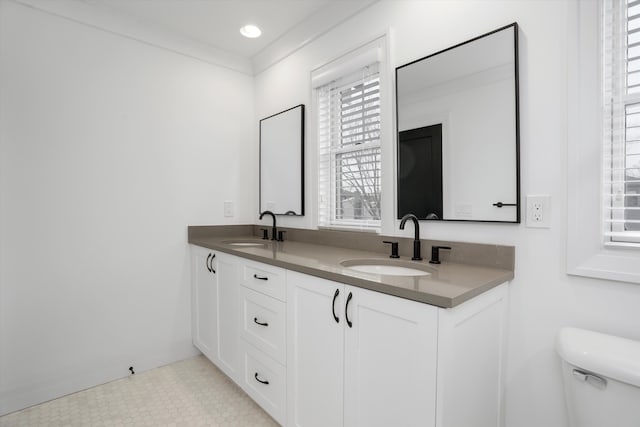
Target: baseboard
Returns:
[[35, 393]]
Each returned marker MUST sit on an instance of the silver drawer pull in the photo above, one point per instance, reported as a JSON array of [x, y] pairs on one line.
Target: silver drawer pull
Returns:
[[255, 320], [592, 379], [255, 276], [259, 380]]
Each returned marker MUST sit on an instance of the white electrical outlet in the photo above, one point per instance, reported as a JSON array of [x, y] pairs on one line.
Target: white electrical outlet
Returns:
[[228, 208], [539, 211]]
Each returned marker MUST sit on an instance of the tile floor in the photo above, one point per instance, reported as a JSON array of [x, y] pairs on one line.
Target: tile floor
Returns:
[[192, 392]]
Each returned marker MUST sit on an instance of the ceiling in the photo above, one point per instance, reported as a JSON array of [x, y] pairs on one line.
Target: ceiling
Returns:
[[217, 22]]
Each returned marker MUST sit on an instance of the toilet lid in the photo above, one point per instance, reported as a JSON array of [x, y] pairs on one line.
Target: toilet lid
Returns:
[[613, 357]]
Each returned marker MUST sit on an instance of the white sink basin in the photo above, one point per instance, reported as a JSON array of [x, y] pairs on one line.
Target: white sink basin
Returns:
[[247, 243], [387, 267]]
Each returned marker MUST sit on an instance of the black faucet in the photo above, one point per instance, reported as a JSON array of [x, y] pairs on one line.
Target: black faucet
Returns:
[[416, 240], [274, 230]]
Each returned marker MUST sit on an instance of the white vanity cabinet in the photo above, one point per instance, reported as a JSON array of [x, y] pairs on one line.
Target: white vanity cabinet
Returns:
[[361, 358], [314, 352], [357, 357], [216, 308]]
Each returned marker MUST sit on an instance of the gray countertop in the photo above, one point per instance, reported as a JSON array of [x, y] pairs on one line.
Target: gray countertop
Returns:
[[448, 285]]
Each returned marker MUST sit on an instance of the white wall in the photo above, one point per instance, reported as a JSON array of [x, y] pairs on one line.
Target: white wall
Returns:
[[543, 297], [109, 149]]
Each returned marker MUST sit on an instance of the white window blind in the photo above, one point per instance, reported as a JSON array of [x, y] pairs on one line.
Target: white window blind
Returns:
[[621, 127], [349, 150]]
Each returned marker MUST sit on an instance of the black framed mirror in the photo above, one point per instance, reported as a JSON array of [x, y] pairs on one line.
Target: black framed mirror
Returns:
[[457, 119], [282, 162]]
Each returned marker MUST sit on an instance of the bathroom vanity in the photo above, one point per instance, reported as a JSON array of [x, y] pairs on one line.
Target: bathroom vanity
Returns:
[[316, 343]]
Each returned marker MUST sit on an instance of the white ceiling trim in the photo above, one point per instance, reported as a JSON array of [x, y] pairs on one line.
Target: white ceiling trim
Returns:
[[102, 19], [293, 40], [306, 32]]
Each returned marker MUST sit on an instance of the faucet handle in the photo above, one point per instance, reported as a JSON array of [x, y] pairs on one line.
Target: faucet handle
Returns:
[[265, 234], [435, 254], [394, 249], [281, 235]]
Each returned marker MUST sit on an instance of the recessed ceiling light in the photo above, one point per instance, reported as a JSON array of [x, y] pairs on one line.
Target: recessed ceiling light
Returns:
[[250, 31]]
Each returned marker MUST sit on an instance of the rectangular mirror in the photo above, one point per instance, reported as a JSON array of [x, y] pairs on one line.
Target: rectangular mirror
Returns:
[[282, 162], [458, 131]]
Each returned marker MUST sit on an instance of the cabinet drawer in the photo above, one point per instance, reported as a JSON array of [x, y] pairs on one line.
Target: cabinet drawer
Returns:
[[264, 380], [264, 323], [265, 279]]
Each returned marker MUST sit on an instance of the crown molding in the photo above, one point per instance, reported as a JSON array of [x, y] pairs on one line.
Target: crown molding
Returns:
[[100, 18], [307, 31]]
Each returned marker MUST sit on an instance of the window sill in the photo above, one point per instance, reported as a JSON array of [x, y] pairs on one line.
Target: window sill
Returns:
[[628, 243], [619, 265], [350, 228]]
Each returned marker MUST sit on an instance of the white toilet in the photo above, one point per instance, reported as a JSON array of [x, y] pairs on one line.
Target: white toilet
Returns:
[[601, 376]]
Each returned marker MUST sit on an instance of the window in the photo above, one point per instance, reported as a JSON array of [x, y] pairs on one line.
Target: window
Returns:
[[621, 96], [602, 225], [349, 164]]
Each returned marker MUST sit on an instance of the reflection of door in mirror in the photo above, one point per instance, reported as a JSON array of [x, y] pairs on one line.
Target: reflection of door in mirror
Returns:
[[420, 172]]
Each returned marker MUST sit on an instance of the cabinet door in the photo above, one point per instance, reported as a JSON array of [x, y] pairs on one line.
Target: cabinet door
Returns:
[[315, 350], [390, 361], [204, 324], [228, 315]]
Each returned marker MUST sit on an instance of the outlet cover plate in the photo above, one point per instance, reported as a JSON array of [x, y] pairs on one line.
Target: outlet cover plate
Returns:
[[539, 211], [228, 208]]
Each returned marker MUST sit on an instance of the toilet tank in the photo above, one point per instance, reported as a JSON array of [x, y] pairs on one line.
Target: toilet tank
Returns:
[[601, 375]]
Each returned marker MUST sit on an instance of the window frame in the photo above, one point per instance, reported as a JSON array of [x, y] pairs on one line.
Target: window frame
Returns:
[[588, 254], [343, 66]]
